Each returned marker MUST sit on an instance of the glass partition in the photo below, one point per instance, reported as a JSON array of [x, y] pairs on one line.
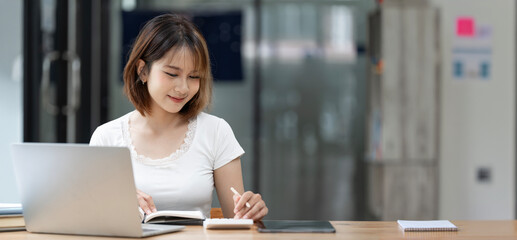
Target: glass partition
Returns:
[[11, 92]]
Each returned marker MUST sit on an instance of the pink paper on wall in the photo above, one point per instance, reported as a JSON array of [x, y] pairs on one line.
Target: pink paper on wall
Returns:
[[465, 27]]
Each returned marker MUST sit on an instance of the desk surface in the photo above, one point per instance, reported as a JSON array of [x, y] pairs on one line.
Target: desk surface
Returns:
[[506, 229]]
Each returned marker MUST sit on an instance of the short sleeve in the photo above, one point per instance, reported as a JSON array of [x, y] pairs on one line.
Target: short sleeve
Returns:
[[110, 133], [97, 139], [226, 146]]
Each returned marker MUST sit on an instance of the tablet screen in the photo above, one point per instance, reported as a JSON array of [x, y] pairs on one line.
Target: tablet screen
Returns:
[[295, 226]]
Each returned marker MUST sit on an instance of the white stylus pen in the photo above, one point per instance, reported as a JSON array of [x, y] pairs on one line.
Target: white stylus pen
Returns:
[[236, 193]]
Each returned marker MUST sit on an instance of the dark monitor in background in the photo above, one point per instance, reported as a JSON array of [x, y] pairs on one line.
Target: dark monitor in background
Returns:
[[222, 31]]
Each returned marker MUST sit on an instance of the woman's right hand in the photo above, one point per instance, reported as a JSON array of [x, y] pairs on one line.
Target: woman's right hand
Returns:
[[146, 202]]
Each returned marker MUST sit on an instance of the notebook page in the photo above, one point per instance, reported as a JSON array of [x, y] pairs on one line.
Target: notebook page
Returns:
[[435, 225]]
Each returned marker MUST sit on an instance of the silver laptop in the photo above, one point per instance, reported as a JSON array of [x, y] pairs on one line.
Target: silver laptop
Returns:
[[79, 189]]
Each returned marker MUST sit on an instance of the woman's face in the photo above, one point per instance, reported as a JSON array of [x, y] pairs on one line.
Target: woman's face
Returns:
[[172, 81]]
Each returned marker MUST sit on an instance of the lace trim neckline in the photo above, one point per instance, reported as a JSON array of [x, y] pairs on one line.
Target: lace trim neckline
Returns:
[[161, 162]]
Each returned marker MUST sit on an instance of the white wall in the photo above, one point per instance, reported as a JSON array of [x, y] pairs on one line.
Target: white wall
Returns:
[[478, 118], [10, 93]]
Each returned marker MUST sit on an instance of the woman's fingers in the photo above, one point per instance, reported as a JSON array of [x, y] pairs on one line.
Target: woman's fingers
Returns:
[[236, 199], [261, 214], [146, 202], [257, 209], [240, 201]]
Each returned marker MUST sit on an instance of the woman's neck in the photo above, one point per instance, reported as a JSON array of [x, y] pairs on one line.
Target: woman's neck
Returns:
[[159, 121]]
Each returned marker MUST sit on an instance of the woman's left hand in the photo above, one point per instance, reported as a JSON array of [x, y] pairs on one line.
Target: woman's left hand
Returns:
[[257, 209]]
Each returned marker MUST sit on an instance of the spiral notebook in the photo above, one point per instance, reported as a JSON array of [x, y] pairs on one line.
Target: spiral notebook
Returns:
[[435, 225]]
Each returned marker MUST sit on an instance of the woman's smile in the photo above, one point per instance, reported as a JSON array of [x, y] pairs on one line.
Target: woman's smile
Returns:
[[176, 99]]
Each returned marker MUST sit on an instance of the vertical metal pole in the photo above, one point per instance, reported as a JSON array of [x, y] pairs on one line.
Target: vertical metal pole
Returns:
[[257, 6], [95, 60], [31, 69], [104, 49], [61, 73], [515, 117], [84, 41], [71, 119]]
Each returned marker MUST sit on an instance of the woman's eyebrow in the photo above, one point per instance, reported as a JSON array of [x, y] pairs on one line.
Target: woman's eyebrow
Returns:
[[179, 69], [173, 67]]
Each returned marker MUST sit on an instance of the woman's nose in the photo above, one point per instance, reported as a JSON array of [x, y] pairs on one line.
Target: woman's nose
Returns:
[[181, 86]]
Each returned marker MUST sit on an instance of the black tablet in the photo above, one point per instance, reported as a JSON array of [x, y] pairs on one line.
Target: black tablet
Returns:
[[295, 226]]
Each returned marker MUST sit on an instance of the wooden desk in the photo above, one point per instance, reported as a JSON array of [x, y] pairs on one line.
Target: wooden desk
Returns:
[[344, 230]]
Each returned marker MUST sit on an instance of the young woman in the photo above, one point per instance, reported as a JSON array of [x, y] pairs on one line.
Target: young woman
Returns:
[[179, 153]]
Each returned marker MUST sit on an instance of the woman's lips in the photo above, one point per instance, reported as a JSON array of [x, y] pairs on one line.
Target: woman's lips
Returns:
[[176, 100]]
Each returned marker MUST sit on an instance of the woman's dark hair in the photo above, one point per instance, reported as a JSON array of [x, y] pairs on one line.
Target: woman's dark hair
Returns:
[[159, 36]]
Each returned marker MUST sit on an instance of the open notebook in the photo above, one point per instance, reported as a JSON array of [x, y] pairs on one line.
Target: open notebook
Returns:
[[435, 225]]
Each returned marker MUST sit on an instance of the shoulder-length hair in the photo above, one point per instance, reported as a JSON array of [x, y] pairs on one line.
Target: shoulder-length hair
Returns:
[[158, 36]]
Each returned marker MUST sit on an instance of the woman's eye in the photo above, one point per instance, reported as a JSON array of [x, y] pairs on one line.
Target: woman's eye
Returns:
[[195, 77], [172, 74]]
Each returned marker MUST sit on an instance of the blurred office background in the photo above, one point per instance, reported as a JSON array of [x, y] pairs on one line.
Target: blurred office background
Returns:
[[347, 109]]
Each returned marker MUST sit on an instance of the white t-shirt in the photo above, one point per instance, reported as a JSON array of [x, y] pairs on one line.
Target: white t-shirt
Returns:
[[184, 180]]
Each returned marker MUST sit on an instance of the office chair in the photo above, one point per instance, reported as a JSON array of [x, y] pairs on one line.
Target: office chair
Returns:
[[216, 213]]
